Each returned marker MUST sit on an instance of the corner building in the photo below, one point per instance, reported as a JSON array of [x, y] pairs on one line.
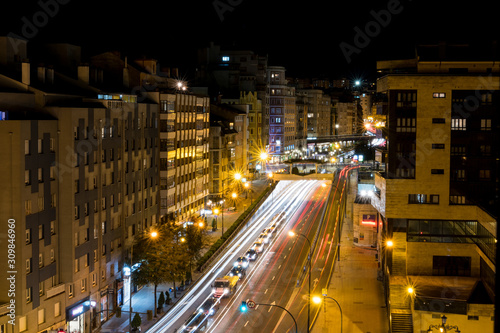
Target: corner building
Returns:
[[437, 200]]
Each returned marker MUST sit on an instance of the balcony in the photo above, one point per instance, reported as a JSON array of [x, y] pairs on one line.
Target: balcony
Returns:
[[55, 290]]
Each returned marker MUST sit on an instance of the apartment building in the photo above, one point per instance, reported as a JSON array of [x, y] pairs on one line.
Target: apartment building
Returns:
[[184, 154], [319, 115], [437, 200], [347, 118], [222, 153], [83, 181], [183, 130], [282, 114]]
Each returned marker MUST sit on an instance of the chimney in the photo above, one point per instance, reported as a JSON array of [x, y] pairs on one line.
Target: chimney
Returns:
[[175, 72], [166, 71], [25, 73], [126, 78], [100, 75], [50, 75], [84, 73], [41, 73]]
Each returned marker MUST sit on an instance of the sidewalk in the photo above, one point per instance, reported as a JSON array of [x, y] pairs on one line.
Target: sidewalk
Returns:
[[355, 287], [142, 300]]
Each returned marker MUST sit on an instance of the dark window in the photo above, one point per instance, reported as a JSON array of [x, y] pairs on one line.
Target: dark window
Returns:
[[438, 120], [437, 171], [451, 266], [438, 146]]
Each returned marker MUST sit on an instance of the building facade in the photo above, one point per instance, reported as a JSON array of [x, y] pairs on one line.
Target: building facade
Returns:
[[282, 114], [184, 154], [441, 130], [86, 162]]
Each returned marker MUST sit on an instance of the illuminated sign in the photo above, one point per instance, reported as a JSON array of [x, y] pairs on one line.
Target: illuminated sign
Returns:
[[369, 219], [77, 311]]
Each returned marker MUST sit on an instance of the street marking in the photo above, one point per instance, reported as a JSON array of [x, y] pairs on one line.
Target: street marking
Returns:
[[265, 292], [273, 278], [246, 323], [284, 257], [279, 267], [270, 308]]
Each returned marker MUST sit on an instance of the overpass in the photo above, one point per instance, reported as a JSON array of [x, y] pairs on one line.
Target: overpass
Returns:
[[339, 138]]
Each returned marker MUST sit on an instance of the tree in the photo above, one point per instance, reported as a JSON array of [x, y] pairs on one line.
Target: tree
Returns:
[[136, 322], [196, 241], [162, 258]]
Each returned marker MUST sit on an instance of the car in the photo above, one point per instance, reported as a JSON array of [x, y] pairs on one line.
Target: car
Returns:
[[258, 246], [195, 323], [251, 254], [243, 261], [272, 228], [237, 271], [210, 306], [264, 238]]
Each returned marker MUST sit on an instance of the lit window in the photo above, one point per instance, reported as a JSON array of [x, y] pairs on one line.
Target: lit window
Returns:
[[485, 124], [439, 95], [225, 58]]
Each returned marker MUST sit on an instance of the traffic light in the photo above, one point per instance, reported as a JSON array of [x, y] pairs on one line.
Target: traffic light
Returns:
[[243, 307]]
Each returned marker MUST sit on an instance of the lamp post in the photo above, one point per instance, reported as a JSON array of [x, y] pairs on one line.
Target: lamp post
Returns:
[[247, 187], [152, 235], [317, 300], [295, 322], [263, 159], [234, 195], [443, 327], [293, 234]]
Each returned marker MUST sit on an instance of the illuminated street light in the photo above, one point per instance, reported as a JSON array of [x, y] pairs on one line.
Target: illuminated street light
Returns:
[[389, 243], [443, 327], [237, 176], [319, 299], [154, 234]]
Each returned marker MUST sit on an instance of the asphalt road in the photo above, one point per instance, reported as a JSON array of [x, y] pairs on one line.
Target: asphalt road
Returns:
[[288, 196], [281, 276]]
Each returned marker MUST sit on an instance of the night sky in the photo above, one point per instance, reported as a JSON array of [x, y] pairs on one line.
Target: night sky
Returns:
[[303, 36]]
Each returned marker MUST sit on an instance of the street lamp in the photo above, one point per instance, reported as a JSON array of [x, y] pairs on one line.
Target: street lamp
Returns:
[[247, 186], [443, 327], [234, 196], [263, 159], [318, 300], [293, 234]]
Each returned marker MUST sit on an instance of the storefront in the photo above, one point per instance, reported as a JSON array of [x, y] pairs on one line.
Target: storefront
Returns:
[[75, 316], [104, 304], [119, 292]]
